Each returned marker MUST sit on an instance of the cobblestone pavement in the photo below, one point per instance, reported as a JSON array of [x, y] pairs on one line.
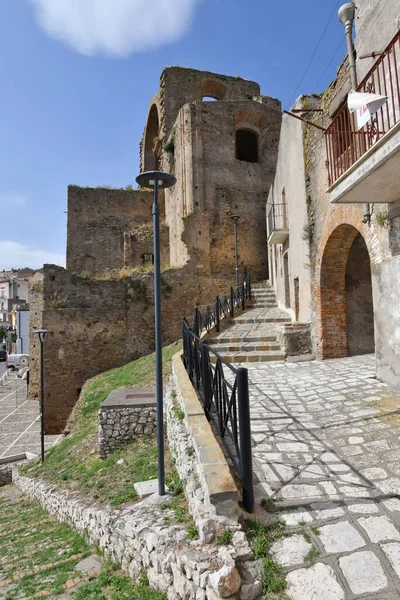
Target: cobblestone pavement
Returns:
[[19, 421], [327, 454]]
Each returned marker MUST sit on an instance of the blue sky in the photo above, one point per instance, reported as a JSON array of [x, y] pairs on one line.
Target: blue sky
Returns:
[[77, 80]]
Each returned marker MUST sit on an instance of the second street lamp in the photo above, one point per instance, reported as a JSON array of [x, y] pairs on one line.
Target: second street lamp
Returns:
[[41, 333], [235, 219], [158, 180]]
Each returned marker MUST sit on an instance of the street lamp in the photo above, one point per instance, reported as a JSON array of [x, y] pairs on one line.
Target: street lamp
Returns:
[[235, 219], [158, 180], [41, 333]]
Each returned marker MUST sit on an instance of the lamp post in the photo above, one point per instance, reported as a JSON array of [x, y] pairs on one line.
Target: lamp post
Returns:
[[235, 219], [158, 180], [41, 333]]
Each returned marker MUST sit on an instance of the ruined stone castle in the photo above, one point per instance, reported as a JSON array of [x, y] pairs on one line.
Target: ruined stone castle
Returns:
[[319, 205], [219, 136]]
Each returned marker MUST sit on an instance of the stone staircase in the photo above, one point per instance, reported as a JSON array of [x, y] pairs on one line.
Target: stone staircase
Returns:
[[252, 335]]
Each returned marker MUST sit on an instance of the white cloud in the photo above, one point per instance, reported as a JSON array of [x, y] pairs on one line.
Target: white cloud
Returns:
[[115, 27], [16, 256], [11, 200]]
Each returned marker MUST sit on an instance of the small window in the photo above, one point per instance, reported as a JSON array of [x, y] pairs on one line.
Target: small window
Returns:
[[246, 145], [209, 99], [147, 259]]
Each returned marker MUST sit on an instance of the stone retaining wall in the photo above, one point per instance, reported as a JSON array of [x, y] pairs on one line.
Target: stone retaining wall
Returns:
[[5, 475], [295, 338], [124, 416], [211, 491], [138, 537]]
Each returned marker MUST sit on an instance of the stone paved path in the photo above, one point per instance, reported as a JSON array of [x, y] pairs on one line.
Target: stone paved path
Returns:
[[19, 421], [326, 438], [326, 441]]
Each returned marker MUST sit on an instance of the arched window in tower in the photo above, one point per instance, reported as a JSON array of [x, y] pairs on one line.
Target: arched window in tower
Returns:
[[247, 145], [151, 141]]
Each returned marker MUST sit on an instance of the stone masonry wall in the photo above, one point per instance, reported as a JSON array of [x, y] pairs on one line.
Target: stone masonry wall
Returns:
[[101, 324], [111, 229], [118, 426], [212, 185], [138, 538]]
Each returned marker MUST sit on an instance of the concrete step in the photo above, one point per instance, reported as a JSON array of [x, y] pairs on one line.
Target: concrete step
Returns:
[[242, 347], [236, 357]]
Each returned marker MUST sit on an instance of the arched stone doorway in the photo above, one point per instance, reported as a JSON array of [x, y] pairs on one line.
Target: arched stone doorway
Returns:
[[346, 305]]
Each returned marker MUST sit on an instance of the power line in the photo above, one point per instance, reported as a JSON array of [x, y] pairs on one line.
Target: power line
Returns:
[[330, 62], [313, 54], [364, 35]]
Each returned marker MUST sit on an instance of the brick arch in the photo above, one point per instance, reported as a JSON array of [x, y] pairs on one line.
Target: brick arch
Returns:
[[331, 292]]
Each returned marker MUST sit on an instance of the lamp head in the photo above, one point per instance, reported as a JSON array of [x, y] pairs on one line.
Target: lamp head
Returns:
[[148, 179], [235, 217], [41, 333], [346, 12]]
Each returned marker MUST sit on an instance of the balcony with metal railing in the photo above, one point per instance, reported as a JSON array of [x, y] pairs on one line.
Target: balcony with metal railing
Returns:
[[277, 223], [364, 164]]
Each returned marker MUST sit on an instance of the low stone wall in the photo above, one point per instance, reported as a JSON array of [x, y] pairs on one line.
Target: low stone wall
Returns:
[[138, 538], [295, 338], [124, 415], [5, 475], [210, 489]]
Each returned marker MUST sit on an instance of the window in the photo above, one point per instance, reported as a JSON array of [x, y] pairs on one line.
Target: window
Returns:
[[246, 145], [147, 259], [209, 99]]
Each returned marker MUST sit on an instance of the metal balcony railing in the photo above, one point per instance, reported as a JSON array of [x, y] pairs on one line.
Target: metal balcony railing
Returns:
[[345, 145], [277, 218]]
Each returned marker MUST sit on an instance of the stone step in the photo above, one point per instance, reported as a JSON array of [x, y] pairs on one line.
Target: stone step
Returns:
[[261, 304], [260, 293], [237, 339], [242, 347], [262, 320], [236, 357]]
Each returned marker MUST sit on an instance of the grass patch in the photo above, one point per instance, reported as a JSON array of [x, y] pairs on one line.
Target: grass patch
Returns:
[[43, 543], [75, 464], [261, 538], [312, 554], [225, 538], [113, 586], [192, 533]]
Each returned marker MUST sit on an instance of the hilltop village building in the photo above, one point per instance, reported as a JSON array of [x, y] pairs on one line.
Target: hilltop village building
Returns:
[[319, 209]]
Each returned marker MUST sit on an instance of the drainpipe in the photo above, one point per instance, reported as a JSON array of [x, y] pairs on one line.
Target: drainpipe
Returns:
[[346, 16]]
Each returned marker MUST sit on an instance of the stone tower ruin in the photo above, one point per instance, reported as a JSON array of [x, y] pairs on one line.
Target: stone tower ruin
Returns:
[[219, 136]]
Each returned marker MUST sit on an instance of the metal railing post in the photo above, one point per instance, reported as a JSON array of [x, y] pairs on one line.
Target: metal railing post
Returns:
[[217, 315], [246, 462], [232, 303], [196, 322], [243, 297], [205, 376]]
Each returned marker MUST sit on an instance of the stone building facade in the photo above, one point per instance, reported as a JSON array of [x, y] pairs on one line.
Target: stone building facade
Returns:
[[219, 136], [335, 259]]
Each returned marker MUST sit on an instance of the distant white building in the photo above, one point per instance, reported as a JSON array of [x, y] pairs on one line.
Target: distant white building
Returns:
[[22, 329]]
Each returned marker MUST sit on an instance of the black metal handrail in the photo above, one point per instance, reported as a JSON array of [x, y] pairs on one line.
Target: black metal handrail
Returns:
[[225, 403], [223, 307]]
